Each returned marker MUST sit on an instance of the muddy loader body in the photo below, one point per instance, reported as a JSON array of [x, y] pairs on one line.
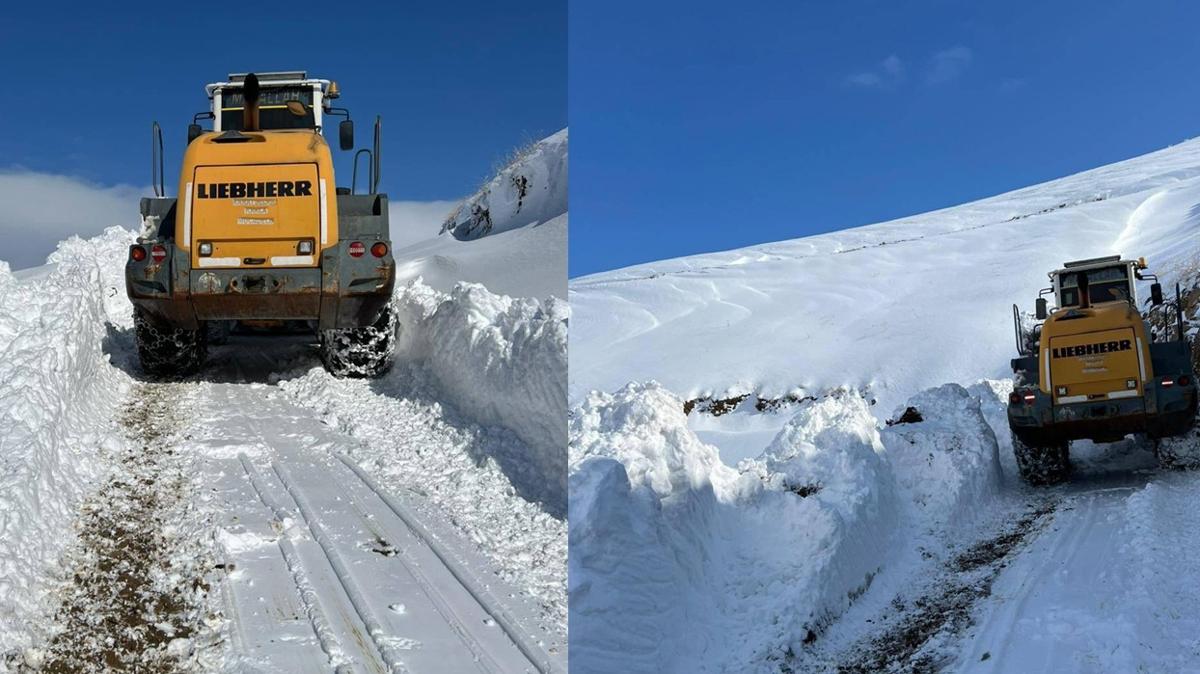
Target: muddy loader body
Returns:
[[261, 234], [1093, 369]]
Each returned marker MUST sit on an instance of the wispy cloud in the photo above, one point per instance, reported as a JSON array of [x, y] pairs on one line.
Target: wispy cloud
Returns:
[[948, 65], [888, 74], [37, 210]]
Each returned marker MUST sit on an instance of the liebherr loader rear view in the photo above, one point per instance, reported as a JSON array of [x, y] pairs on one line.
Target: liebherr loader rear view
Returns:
[[1093, 370], [260, 235]]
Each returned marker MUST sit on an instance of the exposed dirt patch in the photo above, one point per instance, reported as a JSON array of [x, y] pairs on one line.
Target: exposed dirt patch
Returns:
[[714, 406], [719, 406], [134, 598], [917, 625]]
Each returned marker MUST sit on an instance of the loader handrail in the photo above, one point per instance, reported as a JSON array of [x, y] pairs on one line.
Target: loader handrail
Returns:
[[156, 161]]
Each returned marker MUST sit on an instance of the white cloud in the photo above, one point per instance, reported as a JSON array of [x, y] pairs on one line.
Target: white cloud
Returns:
[[889, 74], [37, 210], [948, 65], [412, 221]]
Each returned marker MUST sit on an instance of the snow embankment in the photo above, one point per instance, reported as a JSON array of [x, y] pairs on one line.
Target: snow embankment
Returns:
[[681, 563], [498, 360], [57, 397]]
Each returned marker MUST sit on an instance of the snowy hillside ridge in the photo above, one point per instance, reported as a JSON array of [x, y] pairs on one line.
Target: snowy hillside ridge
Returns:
[[680, 563], [530, 190], [57, 392], [687, 322], [500, 361]]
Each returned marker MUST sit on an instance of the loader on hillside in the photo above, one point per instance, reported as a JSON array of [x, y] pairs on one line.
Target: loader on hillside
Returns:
[[260, 235], [1092, 370]]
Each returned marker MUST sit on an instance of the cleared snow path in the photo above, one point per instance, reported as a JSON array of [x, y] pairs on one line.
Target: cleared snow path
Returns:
[[320, 569]]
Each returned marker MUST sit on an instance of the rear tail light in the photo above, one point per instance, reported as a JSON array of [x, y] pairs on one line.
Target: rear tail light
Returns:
[[1029, 397], [205, 248], [158, 253], [1185, 380], [1014, 398], [1168, 382], [305, 247], [379, 249], [137, 253], [357, 249]]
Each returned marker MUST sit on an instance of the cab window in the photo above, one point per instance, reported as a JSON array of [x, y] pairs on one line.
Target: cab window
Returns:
[[1107, 284], [273, 112]]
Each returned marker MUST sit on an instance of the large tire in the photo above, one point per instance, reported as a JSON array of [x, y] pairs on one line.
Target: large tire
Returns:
[[360, 352], [167, 351], [1041, 466], [1181, 452]]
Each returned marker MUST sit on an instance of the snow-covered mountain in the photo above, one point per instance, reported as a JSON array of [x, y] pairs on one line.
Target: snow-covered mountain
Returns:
[[747, 494]]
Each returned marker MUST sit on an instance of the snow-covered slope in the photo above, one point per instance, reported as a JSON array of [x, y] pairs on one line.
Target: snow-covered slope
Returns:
[[896, 307], [511, 235], [837, 493]]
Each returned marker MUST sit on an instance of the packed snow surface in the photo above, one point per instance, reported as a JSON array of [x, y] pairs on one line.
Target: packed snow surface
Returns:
[[821, 477]]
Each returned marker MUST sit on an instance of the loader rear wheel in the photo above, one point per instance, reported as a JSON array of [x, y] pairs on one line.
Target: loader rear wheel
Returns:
[[360, 352], [1181, 452], [1042, 465], [168, 351]]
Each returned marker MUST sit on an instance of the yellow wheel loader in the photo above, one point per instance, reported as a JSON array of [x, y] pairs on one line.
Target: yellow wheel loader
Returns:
[[261, 235], [1093, 370]]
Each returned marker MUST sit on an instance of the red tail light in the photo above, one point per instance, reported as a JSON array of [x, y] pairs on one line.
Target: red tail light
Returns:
[[1185, 380], [1014, 398], [137, 253], [158, 253], [357, 249], [379, 249]]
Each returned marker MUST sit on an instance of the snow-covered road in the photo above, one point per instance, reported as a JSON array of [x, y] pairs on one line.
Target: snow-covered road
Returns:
[[325, 569]]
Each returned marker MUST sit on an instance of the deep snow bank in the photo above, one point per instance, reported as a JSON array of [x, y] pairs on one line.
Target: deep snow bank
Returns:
[[531, 189], [57, 396], [680, 563], [948, 463], [498, 360]]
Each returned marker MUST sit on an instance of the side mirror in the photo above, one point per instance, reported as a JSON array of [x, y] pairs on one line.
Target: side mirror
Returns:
[[1156, 294], [346, 134], [1041, 308], [194, 132]]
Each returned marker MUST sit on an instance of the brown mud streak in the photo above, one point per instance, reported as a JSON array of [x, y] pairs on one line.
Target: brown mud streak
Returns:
[[113, 616], [947, 609]]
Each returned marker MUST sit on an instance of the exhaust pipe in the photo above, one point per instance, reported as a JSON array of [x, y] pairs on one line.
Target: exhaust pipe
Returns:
[[250, 105], [1085, 299]]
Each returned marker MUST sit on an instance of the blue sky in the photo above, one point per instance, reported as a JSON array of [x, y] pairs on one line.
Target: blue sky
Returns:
[[715, 126], [458, 84]]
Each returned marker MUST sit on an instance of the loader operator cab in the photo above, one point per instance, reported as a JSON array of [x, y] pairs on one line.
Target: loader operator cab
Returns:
[[1108, 280], [286, 100]]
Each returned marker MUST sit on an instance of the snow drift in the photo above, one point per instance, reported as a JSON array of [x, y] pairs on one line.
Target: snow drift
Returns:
[[57, 393], [663, 534]]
